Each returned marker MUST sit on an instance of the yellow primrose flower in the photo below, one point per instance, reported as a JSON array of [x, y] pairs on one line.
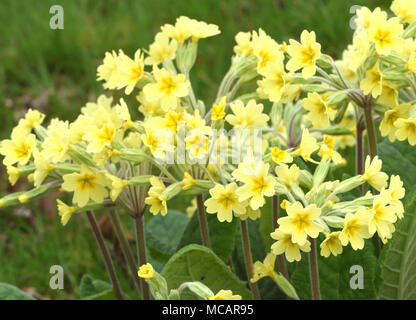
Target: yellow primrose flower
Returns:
[[180, 31], [156, 199], [149, 108], [411, 63], [406, 129], [319, 112], [281, 156], [387, 125], [285, 245], [167, 88], [373, 81], [331, 244], [365, 17], [389, 94], [146, 271], [98, 138], [117, 185], [288, 175], [200, 29], [405, 10], [218, 110], [107, 71], [327, 150], [32, 119], [373, 174], [382, 216], [188, 181], [129, 71], [43, 168], [386, 34], [304, 55], [307, 146], [355, 229], [133, 140], [274, 81], [56, 145], [249, 213], [13, 174], [256, 186], [397, 192], [284, 204], [156, 138], [86, 185], [249, 116], [224, 202], [265, 268], [161, 49], [300, 222], [225, 295], [19, 148], [244, 45], [64, 211], [198, 144], [265, 49]]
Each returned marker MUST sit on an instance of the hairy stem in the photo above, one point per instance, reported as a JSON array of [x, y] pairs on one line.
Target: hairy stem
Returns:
[[106, 254], [280, 258], [203, 223], [314, 272], [371, 131], [125, 247], [248, 259]]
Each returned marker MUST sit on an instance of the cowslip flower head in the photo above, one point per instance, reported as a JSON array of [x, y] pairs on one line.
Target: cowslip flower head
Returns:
[[162, 48], [218, 110], [386, 34], [373, 81], [247, 116], [387, 125], [281, 156], [319, 112], [19, 148], [307, 146], [382, 215], [265, 268], [224, 202], [397, 193], [304, 54], [331, 244], [146, 271], [373, 174], [156, 199], [405, 10], [301, 222], [285, 245], [355, 229], [274, 82], [406, 129], [65, 212], [130, 71]]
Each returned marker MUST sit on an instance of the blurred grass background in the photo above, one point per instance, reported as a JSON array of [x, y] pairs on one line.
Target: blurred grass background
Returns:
[[54, 71]]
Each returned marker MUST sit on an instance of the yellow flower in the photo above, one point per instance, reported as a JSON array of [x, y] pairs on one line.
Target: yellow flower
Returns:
[[387, 125], [117, 185], [167, 88], [288, 175], [107, 71], [191, 209], [405, 10], [19, 148], [327, 150], [373, 81], [281, 156], [256, 186], [300, 222], [365, 17], [244, 45], [386, 34], [285, 245], [331, 244], [249, 116], [157, 139], [397, 192], [65, 212], [86, 185], [264, 269], [284, 204], [43, 168], [180, 31], [265, 49], [307, 146], [198, 144], [129, 71], [146, 271], [355, 229], [149, 108], [188, 181], [249, 213], [274, 81], [319, 111], [218, 110], [304, 54], [373, 174], [13, 174], [98, 138], [32, 119], [406, 129], [225, 295], [23, 198], [382, 216], [56, 145], [224, 202], [161, 49], [156, 199], [200, 29]]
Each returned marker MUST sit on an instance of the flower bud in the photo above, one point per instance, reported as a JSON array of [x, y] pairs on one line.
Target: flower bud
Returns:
[[325, 61], [285, 285], [334, 221], [410, 31], [348, 184], [200, 289]]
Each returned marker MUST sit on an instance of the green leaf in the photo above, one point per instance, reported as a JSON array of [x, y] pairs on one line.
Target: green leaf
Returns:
[[10, 292], [222, 235], [92, 289], [163, 234], [399, 158], [335, 276], [197, 263], [398, 271]]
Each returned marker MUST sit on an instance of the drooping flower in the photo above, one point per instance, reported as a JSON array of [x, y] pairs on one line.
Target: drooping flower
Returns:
[[285, 245], [387, 125], [355, 229], [331, 244], [382, 216], [406, 129], [319, 112], [65, 212], [156, 199], [307, 146], [373, 81], [373, 174]]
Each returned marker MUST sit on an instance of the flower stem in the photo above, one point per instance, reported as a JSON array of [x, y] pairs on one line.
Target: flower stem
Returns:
[[248, 259], [106, 254], [125, 247], [371, 132], [141, 250], [359, 154], [203, 223], [314, 272], [280, 259]]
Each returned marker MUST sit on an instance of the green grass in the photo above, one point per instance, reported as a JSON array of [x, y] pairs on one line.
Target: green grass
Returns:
[[54, 71]]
